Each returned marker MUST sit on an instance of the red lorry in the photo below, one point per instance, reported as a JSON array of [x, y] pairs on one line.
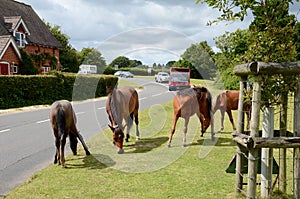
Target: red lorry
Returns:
[[179, 78]]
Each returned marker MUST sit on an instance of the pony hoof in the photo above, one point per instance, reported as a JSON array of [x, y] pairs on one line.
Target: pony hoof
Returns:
[[137, 138], [184, 145], [169, 145], [126, 140], [120, 151], [87, 153]]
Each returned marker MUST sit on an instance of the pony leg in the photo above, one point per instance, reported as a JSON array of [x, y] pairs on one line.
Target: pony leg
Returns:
[[57, 156], [83, 144], [231, 119], [222, 119], [186, 122], [172, 130], [136, 120], [73, 142], [62, 150], [202, 121], [129, 125]]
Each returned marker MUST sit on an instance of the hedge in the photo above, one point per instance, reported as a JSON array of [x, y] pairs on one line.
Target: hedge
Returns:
[[19, 91]]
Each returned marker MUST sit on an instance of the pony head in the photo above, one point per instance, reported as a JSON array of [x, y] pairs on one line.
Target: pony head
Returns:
[[118, 137], [200, 91]]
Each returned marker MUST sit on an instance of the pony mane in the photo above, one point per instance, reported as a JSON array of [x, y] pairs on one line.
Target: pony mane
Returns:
[[114, 108], [186, 92]]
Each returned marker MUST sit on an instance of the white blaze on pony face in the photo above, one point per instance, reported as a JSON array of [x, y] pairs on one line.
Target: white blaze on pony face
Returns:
[[118, 138]]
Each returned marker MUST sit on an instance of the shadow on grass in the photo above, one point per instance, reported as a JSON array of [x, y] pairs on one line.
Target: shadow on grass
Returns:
[[94, 161], [147, 144], [221, 141]]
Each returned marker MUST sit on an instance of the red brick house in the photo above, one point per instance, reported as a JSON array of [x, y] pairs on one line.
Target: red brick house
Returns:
[[21, 28]]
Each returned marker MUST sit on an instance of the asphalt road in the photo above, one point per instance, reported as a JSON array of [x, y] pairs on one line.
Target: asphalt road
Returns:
[[27, 142]]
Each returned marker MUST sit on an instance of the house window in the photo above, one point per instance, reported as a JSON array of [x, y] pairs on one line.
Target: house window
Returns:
[[45, 69], [21, 39], [15, 69]]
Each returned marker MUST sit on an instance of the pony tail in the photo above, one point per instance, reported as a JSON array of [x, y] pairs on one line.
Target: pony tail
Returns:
[[209, 103], [61, 121]]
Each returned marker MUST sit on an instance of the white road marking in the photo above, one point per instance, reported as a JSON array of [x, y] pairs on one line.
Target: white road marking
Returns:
[[79, 113], [101, 108], [4, 130], [157, 95], [42, 121], [143, 98]]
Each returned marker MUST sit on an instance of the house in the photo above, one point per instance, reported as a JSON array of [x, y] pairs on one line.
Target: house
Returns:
[[22, 29]]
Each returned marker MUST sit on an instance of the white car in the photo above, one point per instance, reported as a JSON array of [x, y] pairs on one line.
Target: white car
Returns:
[[162, 77]]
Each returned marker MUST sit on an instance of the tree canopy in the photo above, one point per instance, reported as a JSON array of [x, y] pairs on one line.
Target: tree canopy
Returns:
[[201, 57], [67, 54], [92, 56]]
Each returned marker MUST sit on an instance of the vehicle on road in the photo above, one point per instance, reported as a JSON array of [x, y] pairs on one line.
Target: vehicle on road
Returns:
[[179, 78], [87, 69], [125, 74], [162, 77]]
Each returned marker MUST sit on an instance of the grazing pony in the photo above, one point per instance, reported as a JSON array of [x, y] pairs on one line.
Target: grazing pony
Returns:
[[186, 103], [63, 121], [122, 103], [227, 101]]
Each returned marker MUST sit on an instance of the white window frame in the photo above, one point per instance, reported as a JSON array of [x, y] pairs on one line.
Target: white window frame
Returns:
[[46, 69], [20, 39], [15, 69]]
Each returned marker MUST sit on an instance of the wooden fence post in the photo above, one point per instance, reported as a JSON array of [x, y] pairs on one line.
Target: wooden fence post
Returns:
[[253, 153], [297, 150], [282, 151], [267, 153], [239, 155]]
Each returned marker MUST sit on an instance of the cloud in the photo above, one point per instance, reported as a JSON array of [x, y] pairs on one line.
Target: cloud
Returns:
[[136, 25]]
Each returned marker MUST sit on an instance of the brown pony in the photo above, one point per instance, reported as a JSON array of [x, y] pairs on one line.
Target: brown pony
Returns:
[[122, 103], [63, 120], [227, 101], [186, 103]]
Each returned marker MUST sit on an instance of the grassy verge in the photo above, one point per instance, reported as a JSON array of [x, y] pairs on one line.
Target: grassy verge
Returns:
[[147, 169], [102, 175]]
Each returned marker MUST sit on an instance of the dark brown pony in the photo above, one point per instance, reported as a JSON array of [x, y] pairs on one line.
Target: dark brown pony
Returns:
[[63, 121], [228, 101], [122, 103], [187, 102]]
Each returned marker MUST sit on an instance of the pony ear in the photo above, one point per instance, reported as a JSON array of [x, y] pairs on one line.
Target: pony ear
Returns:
[[112, 128], [203, 89]]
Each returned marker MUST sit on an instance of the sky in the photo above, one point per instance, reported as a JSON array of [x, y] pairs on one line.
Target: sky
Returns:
[[152, 31]]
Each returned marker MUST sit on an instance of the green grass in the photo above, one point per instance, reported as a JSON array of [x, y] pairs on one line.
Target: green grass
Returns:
[[110, 175], [148, 169]]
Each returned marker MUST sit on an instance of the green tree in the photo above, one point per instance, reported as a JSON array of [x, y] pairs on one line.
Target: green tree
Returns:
[[183, 63], [121, 62], [201, 57], [297, 40], [135, 63], [233, 47], [170, 64], [67, 54], [92, 56], [271, 33]]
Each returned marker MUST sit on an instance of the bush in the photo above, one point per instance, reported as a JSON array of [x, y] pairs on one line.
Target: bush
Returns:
[[20, 91]]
